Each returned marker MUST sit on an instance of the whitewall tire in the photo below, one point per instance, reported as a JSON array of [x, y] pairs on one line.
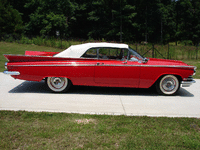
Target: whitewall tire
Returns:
[[168, 85], [58, 84]]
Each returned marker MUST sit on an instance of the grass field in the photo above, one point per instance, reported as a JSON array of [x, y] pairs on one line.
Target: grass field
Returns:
[[15, 48], [31, 130]]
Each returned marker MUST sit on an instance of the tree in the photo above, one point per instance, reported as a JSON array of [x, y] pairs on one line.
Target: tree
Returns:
[[189, 20], [19, 6], [10, 19], [111, 19], [79, 27], [196, 22], [155, 21], [149, 20], [50, 16]]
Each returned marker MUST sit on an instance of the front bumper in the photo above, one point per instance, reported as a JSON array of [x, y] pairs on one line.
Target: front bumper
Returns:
[[11, 72], [187, 83]]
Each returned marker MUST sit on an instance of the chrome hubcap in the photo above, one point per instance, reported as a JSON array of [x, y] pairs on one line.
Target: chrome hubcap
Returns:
[[57, 82], [168, 84]]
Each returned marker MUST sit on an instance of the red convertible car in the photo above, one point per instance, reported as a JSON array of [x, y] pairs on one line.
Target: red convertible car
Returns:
[[100, 64]]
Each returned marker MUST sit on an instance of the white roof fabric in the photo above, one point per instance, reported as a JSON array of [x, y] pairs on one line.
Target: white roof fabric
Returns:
[[76, 51]]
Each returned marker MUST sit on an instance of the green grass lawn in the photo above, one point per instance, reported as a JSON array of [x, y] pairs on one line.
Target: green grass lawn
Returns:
[[31, 130], [194, 63], [15, 48]]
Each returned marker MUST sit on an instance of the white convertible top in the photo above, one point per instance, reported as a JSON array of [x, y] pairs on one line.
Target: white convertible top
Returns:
[[76, 51]]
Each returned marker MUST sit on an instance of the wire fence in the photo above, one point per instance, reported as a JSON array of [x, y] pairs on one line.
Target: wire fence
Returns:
[[168, 51]]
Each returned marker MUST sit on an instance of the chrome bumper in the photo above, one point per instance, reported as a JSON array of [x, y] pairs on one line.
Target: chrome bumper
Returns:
[[11, 72], [187, 83]]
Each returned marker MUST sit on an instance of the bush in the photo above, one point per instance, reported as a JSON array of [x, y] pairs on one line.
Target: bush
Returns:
[[25, 40], [59, 44], [9, 38], [187, 42], [53, 42], [38, 41]]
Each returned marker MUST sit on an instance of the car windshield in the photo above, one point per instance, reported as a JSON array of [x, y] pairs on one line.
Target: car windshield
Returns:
[[134, 56]]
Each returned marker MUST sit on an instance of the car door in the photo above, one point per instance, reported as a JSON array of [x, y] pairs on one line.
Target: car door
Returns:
[[113, 69]]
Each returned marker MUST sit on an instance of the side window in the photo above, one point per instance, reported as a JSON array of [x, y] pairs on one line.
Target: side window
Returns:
[[113, 53], [107, 53], [91, 53], [103, 53]]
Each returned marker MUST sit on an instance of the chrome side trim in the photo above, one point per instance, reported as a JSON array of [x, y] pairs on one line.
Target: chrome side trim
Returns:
[[11, 72], [187, 83], [60, 65], [102, 64]]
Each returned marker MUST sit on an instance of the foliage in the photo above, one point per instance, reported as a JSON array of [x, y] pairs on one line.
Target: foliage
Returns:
[[188, 15], [112, 20], [49, 17], [10, 19]]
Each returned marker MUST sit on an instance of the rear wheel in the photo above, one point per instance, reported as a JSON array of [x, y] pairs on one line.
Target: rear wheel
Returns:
[[58, 84], [168, 85]]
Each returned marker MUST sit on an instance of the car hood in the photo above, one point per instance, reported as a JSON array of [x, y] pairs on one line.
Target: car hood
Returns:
[[166, 62]]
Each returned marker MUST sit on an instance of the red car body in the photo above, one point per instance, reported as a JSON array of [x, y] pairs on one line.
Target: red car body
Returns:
[[36, 66]]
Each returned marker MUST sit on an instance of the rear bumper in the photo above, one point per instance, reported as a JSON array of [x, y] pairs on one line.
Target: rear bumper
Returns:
[[11, 72], [187, 83]]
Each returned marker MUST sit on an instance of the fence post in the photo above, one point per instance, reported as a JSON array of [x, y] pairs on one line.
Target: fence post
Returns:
[[197, 51], [61, 43], [153, 50], [136, 47], [168, 52]]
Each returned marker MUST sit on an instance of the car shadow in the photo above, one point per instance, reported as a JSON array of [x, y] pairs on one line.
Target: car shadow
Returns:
[[30, 87], [40, 87]]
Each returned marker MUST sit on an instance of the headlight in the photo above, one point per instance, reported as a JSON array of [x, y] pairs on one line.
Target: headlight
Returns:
[[6, 65]]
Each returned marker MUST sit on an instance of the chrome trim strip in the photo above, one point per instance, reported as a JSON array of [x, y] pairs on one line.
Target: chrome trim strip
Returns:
[[101, 64], [190, 78], [187, 83], [52, 65], [11, 72], [6, 65], [195, 69]]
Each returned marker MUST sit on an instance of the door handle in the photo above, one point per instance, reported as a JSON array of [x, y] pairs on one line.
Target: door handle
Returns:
[[98, 64]]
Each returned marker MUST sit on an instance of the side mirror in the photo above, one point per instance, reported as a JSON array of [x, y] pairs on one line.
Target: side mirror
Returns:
[[145, 60]]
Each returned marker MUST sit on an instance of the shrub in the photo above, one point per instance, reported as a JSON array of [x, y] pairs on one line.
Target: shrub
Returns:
[[25, 40], [37, 41]]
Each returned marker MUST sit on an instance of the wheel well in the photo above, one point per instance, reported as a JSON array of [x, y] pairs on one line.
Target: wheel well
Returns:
[[178, 77]]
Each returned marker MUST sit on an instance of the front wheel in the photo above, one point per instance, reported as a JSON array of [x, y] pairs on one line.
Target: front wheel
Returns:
[[168, 85], [58, 84]]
